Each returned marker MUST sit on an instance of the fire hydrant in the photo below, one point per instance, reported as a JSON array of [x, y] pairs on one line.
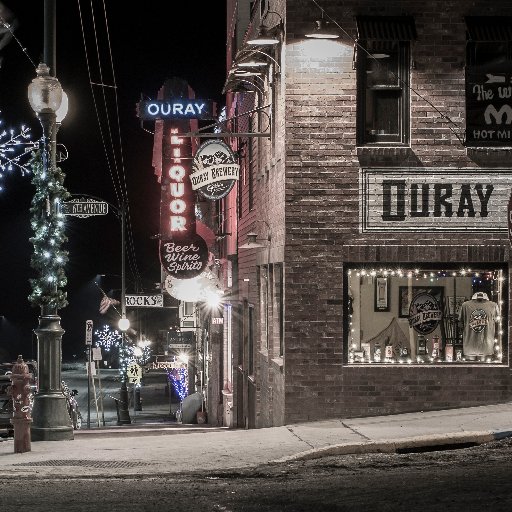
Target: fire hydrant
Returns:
[[21, 394]]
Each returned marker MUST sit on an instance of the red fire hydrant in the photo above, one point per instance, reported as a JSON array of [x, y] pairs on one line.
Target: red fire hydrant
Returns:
[[22, 406]]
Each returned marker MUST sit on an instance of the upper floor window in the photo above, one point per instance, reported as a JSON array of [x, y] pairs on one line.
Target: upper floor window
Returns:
[[383, 69], [489, 81]]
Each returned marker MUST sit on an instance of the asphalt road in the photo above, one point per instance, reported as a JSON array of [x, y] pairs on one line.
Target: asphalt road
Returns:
[[469, 480]]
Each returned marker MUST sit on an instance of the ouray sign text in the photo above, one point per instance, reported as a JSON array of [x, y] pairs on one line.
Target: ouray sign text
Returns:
[[439, 199], [176, 109]]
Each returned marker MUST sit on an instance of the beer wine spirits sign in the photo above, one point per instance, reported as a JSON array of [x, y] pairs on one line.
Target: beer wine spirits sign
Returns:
[[434, 199], [184, 260], [215, 170]]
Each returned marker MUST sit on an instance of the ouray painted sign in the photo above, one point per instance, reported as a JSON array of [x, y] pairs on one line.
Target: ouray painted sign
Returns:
[[177, 108], [214, 170], [434, 199]]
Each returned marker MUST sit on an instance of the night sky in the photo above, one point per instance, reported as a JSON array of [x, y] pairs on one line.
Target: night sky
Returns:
[[172, 39]]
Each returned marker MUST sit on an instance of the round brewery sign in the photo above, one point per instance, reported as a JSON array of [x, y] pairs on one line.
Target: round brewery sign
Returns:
[[424, 313], [214, 170], [185, 258]]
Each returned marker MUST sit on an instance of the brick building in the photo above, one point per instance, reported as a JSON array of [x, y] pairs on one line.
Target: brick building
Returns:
[[368, 258]]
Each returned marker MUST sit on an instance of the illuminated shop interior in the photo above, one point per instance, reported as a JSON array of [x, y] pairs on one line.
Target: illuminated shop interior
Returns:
[[426, 316]]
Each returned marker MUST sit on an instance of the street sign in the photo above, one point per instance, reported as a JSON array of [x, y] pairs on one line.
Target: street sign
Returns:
[[84, 207], [96, 354], [88, 332], [180, 346], [145, 301], [134, 372]]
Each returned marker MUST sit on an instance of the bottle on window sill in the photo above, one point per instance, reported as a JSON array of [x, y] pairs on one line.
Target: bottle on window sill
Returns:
[[388, 350], [422, 345], [448, 353], [436, 351], [377, 353]]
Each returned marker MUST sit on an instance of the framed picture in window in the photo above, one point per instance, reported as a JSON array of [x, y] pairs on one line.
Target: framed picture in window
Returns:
[[381, 294], [406, 294]]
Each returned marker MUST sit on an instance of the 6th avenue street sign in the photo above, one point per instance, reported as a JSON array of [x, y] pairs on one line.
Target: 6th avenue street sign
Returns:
[[84, 207]]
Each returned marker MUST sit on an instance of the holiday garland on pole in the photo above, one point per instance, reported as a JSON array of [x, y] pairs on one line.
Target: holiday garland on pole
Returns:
[[47, 222]]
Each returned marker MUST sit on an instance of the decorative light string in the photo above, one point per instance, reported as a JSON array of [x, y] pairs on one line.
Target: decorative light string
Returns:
[[108, 339], [14, 146], [494, 277], [179, 380]]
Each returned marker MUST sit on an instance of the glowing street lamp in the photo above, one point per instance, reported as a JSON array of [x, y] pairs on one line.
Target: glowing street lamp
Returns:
[[51, 421]]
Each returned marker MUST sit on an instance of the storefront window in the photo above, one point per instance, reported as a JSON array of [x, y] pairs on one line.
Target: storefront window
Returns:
[[425, 315]]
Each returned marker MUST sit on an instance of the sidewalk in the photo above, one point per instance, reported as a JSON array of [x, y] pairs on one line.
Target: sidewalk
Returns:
[[152, 446]]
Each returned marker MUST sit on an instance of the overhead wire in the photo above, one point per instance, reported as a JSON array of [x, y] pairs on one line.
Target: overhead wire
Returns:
[[116, 169], [10, 28]]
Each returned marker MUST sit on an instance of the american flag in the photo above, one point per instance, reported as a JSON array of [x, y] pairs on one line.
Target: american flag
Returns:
[[106, 302]]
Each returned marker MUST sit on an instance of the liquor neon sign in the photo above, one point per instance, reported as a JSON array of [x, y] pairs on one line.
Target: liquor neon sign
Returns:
[[178, 206], [183, 253]]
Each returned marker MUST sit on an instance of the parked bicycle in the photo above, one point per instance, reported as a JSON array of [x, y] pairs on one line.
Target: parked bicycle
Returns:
[[72, 404]]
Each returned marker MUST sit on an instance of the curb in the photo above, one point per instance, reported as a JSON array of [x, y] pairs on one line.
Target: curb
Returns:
[[146, 430], [411, 444]]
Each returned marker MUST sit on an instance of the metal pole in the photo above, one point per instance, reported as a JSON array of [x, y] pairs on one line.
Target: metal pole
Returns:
[[50, 35], [88, 386], [124, 413], [51, 421]]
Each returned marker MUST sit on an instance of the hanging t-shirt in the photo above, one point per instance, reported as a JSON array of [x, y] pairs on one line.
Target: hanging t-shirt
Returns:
[[478, 318]]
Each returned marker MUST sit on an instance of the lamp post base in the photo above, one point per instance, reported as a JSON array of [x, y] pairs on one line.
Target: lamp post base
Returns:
[[124, 415], [51, 421], [51, 418]]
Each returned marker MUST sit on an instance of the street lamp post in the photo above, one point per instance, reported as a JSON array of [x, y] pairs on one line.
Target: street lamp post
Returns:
[[51, 421], [124, 325]]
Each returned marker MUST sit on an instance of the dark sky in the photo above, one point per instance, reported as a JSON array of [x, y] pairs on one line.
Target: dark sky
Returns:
[[170, 39]]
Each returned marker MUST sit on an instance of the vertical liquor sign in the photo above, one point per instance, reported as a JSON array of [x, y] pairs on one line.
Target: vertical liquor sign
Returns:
[[183, 252]]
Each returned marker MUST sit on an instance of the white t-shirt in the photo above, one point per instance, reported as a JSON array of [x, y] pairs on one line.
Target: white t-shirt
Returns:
[[478, 317]]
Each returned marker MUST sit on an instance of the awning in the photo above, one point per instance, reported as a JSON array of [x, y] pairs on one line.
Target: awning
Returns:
[[489, 28], [386, 28]]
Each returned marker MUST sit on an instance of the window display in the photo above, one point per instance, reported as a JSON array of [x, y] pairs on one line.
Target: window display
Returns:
[[425, 315]]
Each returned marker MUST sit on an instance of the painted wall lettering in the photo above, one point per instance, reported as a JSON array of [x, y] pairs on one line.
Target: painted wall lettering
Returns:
[[489, 105], [434, 199]]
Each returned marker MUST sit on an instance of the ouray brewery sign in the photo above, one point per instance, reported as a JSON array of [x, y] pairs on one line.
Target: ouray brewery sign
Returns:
[[215, 170], [434, 199]]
